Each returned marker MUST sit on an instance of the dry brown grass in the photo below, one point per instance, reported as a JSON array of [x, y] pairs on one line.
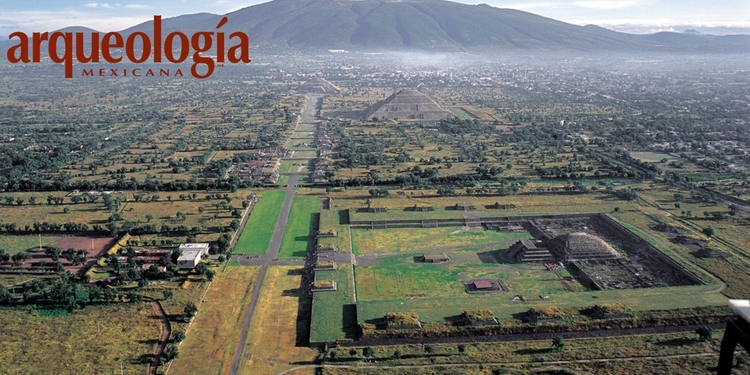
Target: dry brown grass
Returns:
[[218, 322], [270, 346]]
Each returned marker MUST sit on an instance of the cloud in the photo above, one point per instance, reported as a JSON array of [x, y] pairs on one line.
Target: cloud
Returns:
[[38, 21], [137, 6], [99, 5], [605, 4]]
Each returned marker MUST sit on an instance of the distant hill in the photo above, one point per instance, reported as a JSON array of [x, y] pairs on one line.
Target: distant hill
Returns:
[[433, 25]]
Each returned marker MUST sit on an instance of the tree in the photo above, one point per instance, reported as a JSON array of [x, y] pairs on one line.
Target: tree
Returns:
[[397, 354], [189, 311], [4, 294], [709, 232], [210, 275], [558, 343], [171, 352], [705, 333], [461, 348], [149, 217], [201, 268], [368, 352], [334, 355], [178, 335], [168, 294]]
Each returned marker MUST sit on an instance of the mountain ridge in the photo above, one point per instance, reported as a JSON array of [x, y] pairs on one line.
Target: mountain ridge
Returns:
[[426, 25]]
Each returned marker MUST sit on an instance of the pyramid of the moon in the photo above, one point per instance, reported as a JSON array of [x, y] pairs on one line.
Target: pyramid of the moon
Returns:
[[318, 86], [407, 104]]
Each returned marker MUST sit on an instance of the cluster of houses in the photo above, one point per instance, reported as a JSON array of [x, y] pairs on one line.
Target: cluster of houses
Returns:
[[263, 170]]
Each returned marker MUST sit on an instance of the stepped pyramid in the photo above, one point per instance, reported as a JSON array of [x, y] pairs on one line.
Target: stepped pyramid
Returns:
[[581, 246], [529, 251], [318, 86], [407, 104]]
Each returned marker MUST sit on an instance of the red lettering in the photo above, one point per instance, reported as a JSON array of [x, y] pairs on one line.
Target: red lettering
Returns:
[[157, 38], [37, 49], [67, 58], [130, 47], [81, 45], [22, 47], [243, 48], [184, 47], [67, 48], [107, 45]]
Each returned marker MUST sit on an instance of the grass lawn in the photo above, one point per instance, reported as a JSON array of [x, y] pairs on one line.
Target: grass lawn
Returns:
[[460, 113], [97, 339], [299, 227], [437, 309], [334, 314], [217, 322], [424, 239], [260, 225], [398, 277], [271, 341]]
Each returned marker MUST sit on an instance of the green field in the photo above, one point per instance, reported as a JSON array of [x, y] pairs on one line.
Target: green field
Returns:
[[299, 227], [425, 239], [15, 244], [260, 225], [399, 277], [460, 113], [334, 315], [437, 309]]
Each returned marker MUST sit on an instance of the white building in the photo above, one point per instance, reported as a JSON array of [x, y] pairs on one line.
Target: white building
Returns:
[[191, 255]]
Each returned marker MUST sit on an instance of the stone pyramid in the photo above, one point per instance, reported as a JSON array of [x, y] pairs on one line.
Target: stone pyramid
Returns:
[[407, 104], [318, 86]]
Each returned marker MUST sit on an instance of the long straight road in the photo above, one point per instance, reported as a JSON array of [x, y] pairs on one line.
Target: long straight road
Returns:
[[272, 255]]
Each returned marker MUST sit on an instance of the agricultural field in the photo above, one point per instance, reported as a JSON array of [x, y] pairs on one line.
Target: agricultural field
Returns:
[[275, 339], [259, 228], [207, 214], [218, 321]]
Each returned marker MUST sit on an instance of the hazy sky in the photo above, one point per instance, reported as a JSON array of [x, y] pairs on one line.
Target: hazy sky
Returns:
[[626, 15]]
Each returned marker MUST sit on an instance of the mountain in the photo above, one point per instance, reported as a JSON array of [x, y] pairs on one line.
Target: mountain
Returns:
[[429, 25]]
